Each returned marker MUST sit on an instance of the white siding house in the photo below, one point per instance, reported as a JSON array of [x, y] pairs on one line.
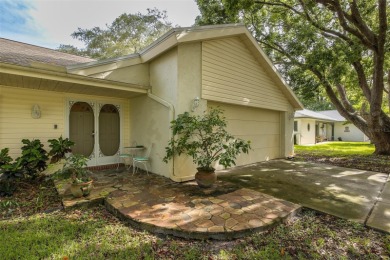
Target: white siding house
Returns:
[[344, 130], [311, 127]]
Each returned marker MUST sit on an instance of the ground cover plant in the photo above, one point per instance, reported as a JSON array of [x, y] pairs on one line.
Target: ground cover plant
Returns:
[[358, 155]]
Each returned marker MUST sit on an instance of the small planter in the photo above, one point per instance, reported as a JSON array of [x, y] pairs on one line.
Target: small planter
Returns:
[[205, 178], [79, 190]]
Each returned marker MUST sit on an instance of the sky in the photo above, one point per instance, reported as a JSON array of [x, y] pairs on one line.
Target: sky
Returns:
[[49, 23]]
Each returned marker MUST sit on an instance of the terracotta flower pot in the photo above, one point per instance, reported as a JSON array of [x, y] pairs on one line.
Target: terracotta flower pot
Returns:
[[205, 178], [79, 190]]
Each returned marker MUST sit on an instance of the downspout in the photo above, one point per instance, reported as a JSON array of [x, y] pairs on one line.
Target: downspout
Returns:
[[172, 117]]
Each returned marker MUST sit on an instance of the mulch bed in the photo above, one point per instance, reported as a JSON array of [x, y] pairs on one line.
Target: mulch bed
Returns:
[[30, 197]]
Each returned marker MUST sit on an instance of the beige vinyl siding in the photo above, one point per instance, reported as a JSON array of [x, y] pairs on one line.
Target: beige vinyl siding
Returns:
[[231, 74], [136, 74], [260, 126], [16, 122]]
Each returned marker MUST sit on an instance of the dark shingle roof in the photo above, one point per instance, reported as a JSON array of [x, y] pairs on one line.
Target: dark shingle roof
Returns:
[[23, 54]]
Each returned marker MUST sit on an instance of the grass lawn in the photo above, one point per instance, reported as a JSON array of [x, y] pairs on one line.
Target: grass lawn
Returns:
[[33, 226], [358, 155], [95, 234], [337, 148]]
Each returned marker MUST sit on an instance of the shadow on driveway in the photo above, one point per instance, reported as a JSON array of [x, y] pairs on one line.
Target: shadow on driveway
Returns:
[[343, 192]]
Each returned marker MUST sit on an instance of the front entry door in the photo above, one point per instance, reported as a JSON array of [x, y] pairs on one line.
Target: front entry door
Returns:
[[82, 128], [95, 129]]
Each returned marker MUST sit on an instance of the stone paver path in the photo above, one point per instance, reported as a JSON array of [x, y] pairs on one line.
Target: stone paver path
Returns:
[[160, 205]]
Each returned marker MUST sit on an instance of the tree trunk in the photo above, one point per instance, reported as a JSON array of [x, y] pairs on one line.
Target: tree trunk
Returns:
[[381, 141], [388, 90]]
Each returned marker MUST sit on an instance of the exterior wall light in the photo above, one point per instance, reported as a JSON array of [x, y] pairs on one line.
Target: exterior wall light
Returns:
[[35, 111], [195, 104]]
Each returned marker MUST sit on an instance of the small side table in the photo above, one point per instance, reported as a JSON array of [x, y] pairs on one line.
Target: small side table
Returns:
[[133, 151]]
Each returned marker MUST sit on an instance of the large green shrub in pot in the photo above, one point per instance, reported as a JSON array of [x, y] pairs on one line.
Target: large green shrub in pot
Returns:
[[205, 139], [75, 169]]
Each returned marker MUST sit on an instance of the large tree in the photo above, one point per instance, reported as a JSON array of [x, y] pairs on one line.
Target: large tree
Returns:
[[337, 47], [127, 34]]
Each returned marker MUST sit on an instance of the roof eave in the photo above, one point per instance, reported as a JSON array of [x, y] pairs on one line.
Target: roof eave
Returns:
[[71, 78]]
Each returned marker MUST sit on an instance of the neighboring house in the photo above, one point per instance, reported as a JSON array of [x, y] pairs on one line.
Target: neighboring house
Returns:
[[344, 130], [311, 127], [107, 105]]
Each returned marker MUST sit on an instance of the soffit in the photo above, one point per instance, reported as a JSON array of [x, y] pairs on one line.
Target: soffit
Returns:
[[22, 77]]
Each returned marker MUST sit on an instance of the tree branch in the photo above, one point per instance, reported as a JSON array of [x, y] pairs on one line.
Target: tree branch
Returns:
[[334, 6], [362, 79], [353, 117], [343, 96], [306, 15], [358, 21], [278, 4], [325, 30]]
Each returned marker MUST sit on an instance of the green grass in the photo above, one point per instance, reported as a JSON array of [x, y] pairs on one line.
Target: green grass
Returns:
[[337, 149], [95, 234]]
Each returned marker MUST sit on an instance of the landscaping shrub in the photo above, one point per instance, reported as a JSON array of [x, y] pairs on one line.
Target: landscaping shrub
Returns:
[[33, 159], [28, 165], [59, 147], [8, 173]]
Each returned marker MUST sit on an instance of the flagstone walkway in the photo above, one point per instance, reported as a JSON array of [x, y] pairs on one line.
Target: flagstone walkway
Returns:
[[160, 205]]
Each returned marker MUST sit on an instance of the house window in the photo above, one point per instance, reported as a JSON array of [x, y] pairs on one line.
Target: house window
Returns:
[[346, 129], [308, 127], [296, 126]]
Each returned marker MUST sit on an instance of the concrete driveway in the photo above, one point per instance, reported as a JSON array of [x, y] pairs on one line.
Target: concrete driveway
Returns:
[[357, 195]]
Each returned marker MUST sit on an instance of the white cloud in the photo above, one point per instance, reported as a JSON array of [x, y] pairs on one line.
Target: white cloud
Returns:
[[56, 20]]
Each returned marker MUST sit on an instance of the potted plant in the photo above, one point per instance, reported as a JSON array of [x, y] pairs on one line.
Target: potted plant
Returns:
[[75, 169], [207, 141]]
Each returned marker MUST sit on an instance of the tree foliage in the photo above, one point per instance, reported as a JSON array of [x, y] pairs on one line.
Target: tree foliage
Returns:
[[335, 47], [127, 34]]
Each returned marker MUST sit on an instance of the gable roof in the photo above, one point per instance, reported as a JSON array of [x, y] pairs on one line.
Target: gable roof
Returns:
[[29, 66], [27, 55], [306, 113], [195, 34], [333, 114], [24, 54]]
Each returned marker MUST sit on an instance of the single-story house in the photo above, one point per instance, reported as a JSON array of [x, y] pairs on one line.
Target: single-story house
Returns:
[[109, 104], [344, 130], [311, 127]]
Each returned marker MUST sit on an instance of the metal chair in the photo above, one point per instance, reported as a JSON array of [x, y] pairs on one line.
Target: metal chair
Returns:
[[142, 160], [126, 158]]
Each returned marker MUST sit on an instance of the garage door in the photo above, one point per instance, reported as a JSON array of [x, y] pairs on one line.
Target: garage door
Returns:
[[260, 126]]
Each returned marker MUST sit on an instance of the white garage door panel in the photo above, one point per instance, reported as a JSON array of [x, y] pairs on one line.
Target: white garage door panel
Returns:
[[260, 126], [240, 127]]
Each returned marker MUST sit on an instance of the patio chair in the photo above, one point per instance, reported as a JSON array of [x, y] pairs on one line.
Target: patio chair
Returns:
[[142, 160], [125, 157]]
